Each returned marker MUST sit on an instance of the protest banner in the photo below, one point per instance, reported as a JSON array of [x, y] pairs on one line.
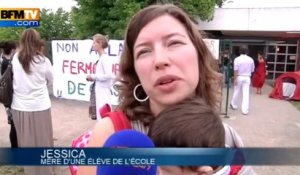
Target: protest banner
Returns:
[[73, 60]]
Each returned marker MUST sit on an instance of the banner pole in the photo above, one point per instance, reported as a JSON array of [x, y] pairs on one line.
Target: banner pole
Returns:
[[226, 106]]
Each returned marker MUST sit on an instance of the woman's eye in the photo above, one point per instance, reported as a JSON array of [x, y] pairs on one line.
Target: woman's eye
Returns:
[[142, 52], [175, 43]]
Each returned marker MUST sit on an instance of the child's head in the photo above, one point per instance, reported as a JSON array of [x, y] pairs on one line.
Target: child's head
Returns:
[[191, 123]]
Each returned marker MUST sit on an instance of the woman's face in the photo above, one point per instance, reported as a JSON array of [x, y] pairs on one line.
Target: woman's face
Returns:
[[166, 62], [96, 45]]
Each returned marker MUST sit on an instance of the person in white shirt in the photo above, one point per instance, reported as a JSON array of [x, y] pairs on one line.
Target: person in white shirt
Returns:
[[243, 68], [103, 76], [31, 105]]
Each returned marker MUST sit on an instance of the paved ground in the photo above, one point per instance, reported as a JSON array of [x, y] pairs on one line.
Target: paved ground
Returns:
[[70, 119], [270, 123]]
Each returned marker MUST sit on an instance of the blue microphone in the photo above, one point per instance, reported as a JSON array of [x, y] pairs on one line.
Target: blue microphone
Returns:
[[127, 139]]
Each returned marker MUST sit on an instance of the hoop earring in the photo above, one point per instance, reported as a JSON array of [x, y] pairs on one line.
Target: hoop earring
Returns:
[[135, 96]]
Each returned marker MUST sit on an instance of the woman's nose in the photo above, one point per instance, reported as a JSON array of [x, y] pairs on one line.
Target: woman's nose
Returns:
[[161, 66], [161, 60]]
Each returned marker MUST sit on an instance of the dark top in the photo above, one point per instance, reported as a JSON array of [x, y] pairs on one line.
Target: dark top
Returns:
[[225, 61], [4, 64]]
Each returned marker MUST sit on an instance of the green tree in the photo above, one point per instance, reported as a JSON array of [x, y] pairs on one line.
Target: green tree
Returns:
[[111, 17], [220, 2], [103, 16], [10, 33], [204, 9], [55, 25]]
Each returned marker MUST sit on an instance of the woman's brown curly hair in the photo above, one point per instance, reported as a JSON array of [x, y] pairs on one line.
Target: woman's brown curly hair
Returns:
[[207, 87]]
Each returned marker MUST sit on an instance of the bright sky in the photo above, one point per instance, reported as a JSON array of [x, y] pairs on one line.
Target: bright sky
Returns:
[[49, 4], [67, 4], [261, 3]]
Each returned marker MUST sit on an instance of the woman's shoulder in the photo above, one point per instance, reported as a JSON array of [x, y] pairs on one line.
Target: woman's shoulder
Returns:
[[108, 125], [42, 60], [104, 57], [47, 61], [15, 58], [102, 130]]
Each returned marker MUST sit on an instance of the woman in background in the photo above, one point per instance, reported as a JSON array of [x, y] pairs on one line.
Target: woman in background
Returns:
[[103, 76], [259, 75], [31, 105]]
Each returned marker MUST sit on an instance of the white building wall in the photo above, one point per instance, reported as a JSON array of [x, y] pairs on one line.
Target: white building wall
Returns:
[[254, 19]]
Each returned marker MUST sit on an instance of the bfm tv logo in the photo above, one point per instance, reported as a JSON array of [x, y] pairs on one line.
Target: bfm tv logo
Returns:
[[19, 17]]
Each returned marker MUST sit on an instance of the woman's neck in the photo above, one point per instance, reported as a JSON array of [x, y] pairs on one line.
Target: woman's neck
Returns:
[[101, 52], [156, 108]]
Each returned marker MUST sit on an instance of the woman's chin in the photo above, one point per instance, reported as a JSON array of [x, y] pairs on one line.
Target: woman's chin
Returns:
[[172, 99]]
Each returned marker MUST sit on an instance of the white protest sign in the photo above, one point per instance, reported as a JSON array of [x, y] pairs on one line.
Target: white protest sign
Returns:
[[213, 46], [73, 60]]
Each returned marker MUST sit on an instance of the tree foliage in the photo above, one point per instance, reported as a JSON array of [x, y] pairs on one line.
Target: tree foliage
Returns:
[[53, 25], [203, 9], [220, 3], [103, 16], [10, 34], [111, 17], [200, 8]]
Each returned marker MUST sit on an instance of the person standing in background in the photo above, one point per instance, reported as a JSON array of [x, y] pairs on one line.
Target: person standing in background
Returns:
[[260, 72], [31, 105], [9, 49], [227, 68], [243, 68], [103, 76]]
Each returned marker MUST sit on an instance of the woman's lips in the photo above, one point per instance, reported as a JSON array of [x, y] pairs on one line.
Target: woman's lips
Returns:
[[166, 79], [167, 83]]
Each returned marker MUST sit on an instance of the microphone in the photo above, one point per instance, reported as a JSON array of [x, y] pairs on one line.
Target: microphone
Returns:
[[127, 139]]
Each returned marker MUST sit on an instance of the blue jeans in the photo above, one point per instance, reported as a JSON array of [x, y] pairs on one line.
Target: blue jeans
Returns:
[[227, 77]]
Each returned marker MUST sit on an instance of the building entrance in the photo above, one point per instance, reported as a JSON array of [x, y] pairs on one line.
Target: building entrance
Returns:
[[281, 56]]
